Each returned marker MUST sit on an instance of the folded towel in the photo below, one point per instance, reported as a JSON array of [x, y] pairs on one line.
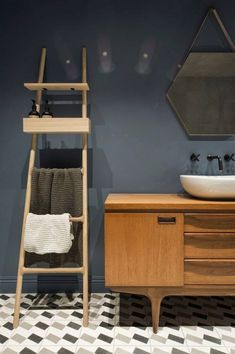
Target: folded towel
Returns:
[[57, 191], [48, 233]]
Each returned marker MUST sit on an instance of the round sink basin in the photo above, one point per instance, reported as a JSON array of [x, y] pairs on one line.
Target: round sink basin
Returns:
[[209, 187]]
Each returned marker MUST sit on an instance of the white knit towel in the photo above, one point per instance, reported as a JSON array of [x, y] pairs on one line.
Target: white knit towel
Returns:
[[48, 233]]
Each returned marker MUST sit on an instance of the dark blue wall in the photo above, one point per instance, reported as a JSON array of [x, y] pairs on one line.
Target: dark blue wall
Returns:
[[137, 143]]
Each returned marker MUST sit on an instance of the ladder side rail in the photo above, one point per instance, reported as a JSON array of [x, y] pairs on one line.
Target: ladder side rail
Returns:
[[85, 195], [32, 157]]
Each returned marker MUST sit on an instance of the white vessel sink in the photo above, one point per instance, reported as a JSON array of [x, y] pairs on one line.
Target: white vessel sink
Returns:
[[209, 187]]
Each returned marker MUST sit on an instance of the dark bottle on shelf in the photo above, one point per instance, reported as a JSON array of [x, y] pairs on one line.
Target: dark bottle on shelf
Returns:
[[34, 112], [47, 113]]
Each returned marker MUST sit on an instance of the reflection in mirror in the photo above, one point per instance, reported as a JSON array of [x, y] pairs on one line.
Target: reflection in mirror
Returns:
[[203, 94]]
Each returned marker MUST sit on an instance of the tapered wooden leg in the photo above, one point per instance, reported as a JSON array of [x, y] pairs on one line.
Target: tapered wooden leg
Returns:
[[18, 300], [156, 305], [155, 295]]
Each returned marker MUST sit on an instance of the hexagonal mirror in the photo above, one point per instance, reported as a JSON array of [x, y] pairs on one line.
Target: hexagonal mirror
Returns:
[[203, 94]]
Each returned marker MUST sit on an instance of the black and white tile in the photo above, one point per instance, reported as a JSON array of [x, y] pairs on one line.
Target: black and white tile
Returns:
[[120, 324]]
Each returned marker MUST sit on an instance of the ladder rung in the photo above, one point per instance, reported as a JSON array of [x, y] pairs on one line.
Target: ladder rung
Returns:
[[31, 170], [76, 218], [52, 270]]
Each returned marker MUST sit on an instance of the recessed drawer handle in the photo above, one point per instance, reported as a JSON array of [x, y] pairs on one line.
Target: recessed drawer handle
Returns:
[[166, 219]]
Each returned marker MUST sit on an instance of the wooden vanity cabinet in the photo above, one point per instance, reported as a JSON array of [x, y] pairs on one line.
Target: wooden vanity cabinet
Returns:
[[165, 244]]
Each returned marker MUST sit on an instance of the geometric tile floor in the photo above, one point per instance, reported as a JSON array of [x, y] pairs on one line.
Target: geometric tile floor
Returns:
[[120, 324]]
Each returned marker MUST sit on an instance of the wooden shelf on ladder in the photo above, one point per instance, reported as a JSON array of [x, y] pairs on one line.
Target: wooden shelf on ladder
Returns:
[[57, 125], [36, 86]]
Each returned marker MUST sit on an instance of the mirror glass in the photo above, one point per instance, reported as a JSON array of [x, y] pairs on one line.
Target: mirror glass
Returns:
[[203, 94]]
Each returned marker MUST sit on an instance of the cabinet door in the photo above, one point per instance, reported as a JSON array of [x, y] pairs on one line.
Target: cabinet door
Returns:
[[144, 249]]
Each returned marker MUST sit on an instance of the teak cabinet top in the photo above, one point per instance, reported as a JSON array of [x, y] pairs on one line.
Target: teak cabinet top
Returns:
[[165, 202]]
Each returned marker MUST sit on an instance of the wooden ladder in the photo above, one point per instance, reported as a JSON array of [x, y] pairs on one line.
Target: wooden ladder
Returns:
[[36, 126]]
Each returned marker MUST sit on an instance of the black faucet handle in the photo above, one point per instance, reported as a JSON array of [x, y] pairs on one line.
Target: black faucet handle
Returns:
[[228, 157], [195, 157]]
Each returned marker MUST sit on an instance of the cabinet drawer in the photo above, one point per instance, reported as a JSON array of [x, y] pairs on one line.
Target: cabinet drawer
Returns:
[[209, 222], [209, 245], [209, 272]]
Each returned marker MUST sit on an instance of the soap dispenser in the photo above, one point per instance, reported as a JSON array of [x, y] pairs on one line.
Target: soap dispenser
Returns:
[[34, 113], [47, 113]]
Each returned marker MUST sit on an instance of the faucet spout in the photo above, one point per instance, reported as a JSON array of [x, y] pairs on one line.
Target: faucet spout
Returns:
[[217, 157], [220, 164]]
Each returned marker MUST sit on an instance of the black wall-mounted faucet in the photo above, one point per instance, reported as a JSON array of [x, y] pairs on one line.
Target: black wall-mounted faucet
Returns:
[[216, 157]]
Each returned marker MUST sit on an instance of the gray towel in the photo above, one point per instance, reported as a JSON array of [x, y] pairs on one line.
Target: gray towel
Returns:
[[58, 191]]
